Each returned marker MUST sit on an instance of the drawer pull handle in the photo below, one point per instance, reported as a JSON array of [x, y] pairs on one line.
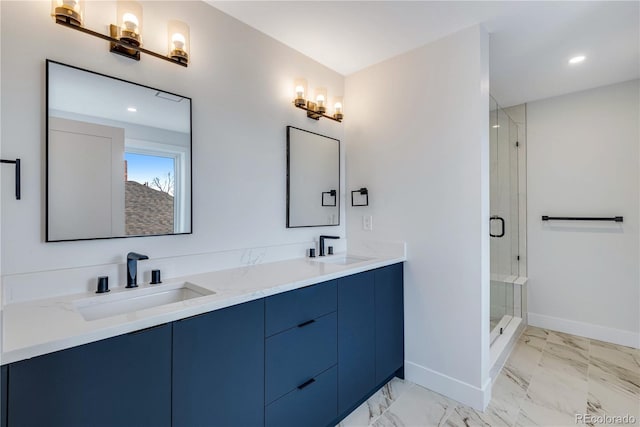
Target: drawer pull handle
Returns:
[[308, 322], [306, 383]]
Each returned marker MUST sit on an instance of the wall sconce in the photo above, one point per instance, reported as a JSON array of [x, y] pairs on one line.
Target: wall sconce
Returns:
[[337, 108], [316, 109], [179, 42], [332, 194], [70, 11], [301, 90], [128, 32], [363, 192], [125, 38]]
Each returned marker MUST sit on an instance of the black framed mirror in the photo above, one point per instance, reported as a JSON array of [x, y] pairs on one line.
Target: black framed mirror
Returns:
[[313, 179], [118, 158]]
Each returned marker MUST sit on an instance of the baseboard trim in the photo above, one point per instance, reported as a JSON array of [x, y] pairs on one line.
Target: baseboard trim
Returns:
[[588, 330], [477, 398]]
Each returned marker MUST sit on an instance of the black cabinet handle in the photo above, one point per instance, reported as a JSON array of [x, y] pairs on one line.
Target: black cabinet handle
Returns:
[[501, 222], [306, 383], [303, 324]]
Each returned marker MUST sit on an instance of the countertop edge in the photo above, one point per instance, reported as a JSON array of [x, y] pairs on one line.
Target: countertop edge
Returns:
[[99, 334]]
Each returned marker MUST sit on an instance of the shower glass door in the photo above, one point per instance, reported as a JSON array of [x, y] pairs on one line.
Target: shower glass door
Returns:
[[504, 225]]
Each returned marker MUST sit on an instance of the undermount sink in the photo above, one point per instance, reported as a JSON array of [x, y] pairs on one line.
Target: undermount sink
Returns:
[[127, 301], [343, 259]]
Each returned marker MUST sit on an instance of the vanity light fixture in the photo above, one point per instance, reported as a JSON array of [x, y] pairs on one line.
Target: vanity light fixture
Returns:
[[316, 109], [72, 11], [125, 38], [178, 33], [128, 31]]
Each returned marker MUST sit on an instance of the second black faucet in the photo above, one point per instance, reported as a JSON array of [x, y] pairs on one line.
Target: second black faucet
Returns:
[[322, 238]]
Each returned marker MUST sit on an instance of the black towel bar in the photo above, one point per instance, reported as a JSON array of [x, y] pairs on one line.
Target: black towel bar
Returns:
[[17, 163], [581, 218]]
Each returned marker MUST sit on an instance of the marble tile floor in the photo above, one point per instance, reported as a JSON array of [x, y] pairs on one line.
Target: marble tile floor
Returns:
[[549, 378]]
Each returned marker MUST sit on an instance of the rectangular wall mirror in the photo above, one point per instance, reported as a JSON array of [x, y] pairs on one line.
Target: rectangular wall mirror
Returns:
[[118, 158], [313, 179]]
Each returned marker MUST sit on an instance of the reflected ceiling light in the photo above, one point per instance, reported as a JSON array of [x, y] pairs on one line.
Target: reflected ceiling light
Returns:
[[132, 109], [495, 126], [577, 59]]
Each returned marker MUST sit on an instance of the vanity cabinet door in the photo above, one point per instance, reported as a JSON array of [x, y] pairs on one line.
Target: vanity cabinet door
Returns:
[[356, 339], [218, 368], [120, 381], [3, 397], [389, 321]]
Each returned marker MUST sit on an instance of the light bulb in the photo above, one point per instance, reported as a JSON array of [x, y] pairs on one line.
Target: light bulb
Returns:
[[71, 4], [338, 107], [130, 22], [299, 91], [320, 100], [178, 41]]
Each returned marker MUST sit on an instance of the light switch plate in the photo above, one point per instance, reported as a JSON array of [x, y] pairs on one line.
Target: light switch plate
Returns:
[[367, 222]]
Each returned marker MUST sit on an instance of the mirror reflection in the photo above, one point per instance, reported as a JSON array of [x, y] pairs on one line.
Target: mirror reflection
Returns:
[[313, 179], [118, 157]]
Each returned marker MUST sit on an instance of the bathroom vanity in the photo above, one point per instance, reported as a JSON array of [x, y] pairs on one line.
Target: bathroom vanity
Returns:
[[305, 350]]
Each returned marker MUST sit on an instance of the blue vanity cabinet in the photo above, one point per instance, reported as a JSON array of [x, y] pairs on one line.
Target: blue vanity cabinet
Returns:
[[3, 396], [218, 368], [301, 356], [356, 339], [120, 381], [389, 321]]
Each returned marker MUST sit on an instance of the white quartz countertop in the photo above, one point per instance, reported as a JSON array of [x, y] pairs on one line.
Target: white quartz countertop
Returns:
[[43, 326]]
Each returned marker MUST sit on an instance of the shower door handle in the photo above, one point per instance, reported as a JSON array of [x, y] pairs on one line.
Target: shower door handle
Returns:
[[501, 224]]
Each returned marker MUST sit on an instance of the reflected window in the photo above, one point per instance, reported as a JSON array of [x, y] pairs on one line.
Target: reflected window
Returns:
[[149, 194]]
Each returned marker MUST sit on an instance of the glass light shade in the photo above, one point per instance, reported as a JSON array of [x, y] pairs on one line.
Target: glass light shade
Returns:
[[130, 21], [70, 11], [300, 89], [321, 100], [179, 42], [338, 108]]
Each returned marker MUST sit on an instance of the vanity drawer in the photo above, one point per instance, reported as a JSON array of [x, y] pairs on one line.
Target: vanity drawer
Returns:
[[298, 354], [313, 405], [289, 309]]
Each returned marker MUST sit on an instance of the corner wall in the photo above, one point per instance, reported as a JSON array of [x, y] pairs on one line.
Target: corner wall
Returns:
[[583, 150], [241, 84], [418, 132]]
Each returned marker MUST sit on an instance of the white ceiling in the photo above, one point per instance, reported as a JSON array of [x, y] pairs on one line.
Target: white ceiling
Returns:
[[531, 42], [76, 91]]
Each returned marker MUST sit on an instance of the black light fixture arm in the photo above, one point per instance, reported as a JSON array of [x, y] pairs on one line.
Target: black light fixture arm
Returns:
[[15, 162], [129, 46], [313, 114]]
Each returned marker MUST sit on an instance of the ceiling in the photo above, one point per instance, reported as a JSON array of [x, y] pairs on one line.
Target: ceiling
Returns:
[[75, 91], [531, 41]]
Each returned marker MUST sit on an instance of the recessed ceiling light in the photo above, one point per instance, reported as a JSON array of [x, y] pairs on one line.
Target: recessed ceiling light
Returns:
[[132, 109], [495, 126], [577, 59]]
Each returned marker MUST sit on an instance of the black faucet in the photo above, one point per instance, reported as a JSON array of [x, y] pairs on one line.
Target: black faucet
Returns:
[[132, 268], [322, 242]]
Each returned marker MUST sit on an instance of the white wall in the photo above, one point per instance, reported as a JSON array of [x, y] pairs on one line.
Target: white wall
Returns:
[[584, 278], [241, 84], [418, 132]]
